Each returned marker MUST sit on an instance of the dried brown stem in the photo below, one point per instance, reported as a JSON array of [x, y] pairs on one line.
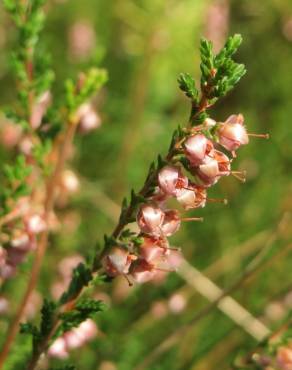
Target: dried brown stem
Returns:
[[43, 242]]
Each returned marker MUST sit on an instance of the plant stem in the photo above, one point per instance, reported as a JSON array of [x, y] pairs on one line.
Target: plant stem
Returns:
[[201, 106], [43, 241]]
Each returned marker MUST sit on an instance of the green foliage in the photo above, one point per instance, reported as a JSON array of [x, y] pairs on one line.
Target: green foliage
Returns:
[[81, 277], [188, 86], [15, 185], [84, 309], [78, 92], [219, 75], [48, 319]]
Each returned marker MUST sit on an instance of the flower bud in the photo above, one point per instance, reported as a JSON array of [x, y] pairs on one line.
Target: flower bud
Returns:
[[171, 180], [150, 219], [88, 118], [117, 261], [39, 109], [196, 148], [232, 133]]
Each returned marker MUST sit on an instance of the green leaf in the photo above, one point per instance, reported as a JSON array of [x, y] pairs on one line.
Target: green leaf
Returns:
[[81, 277], [188, 86], [84, 309], [48, 317]]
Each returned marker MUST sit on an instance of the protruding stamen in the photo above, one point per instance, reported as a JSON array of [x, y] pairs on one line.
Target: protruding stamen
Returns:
[[240, 175], [128, 280], [263, 136], [162, 269], [215, 200], [187, 219], [172, 249]]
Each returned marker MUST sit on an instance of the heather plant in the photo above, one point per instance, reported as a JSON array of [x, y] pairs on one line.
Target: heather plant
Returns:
[[201, 152]]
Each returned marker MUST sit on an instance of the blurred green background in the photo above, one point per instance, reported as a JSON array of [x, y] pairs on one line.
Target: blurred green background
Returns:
[[144, 45]]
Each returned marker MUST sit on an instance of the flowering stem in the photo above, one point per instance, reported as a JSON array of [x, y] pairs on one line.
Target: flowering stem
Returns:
[[43, 242]]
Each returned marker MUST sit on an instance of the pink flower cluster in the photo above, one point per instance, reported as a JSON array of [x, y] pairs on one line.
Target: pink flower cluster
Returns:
[[284, 357], [20, 245], [73, 339], [207, 164]]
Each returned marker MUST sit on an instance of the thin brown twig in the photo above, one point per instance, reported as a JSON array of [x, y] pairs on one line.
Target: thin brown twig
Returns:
[[43, 241]]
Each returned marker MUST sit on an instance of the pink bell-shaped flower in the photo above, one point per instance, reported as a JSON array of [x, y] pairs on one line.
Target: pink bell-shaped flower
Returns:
[[152, 249], [117, 261], [142, 271], [196, 148], [171, 180], [150, 219], [232, 133], [192, 197], [215, 165]]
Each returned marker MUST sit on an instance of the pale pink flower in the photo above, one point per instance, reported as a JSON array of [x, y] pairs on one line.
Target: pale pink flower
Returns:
[[87, 329], [88, 118], [171, 222], [59, 349], [232, 133], [159, 309], [70, 181], [10, 134], [151, 250], [117, 261], [171, 180], [4, 305], [217, 22], [81, 39], [141, 271], [77, 337], [193, 197], [35, 224], [67, 265], [284, 357], [26, 145], [150, 219], [177, 303], [7, 271], [23, 242], [215, 165], [197, 147], [209, 123], [73, 339], [39, 109]]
